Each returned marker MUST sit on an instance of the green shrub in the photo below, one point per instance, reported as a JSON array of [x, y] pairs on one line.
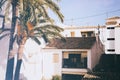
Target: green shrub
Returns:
[[56, 77]]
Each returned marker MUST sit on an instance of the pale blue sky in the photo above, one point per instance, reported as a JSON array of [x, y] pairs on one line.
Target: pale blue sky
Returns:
[[88, 12]]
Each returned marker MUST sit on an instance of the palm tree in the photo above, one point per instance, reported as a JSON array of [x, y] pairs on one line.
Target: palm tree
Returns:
[[47, 31], [10, 62], [27, 11]]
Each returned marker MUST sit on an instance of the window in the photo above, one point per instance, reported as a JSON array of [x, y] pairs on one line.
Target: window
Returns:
[[83, 35], [88, 34], [74, 59], [110, 38], [110, 27], [72, 34], [111, 50], [55, 58]]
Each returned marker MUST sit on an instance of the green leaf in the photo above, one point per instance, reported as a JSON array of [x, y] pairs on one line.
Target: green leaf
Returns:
[[36, 40], [45, 38]]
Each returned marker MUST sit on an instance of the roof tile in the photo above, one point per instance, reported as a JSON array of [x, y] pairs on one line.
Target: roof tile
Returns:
[[73, 43]]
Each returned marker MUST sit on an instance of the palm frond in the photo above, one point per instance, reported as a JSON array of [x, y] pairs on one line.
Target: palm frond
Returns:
[[45, 38], [48, 31], [52, 34], [36, 11], [7, 10], [36, 40], [4, 35], [58, 0], [46, 14], [43, 21], [4, 30], [42, 12], [50, 27], [53, 6], [2, 2]]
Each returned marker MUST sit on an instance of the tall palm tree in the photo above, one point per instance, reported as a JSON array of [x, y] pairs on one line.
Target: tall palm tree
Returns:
[[47, 31], [34, 11], [10, 62]]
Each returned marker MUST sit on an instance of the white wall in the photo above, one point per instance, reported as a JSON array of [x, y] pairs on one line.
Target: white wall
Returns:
[[89, 60], [32, 68], [103, 35], [113, 33], [77, 30], [51, 68], [4, 47], [117, 40], [93, 57], [4, 44], [67, 33], [56, 68]]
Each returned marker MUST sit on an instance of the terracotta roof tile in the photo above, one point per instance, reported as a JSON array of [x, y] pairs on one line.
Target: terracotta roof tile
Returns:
[[73, 43], [115, 17]]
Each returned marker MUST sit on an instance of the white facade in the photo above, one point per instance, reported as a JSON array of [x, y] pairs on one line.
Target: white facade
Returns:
[[54, 63], [43, 64], [112, 37], [3, 56], [78, 30], [74, 31], [117, 40]]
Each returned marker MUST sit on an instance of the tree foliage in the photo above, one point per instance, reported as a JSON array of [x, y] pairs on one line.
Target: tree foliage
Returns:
[[29, 19], [31, 14]]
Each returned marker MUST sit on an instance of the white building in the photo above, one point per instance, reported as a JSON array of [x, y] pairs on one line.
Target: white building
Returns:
[[109, 34], [112, 44], [79, 54], [75, 56]]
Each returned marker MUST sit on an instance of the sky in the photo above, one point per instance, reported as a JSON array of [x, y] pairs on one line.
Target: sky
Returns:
[[88, 12]]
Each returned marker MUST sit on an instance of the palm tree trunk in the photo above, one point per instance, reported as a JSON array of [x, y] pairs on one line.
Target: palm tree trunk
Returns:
[[17, 70], [19, 61], [10, 61], [9, 70]]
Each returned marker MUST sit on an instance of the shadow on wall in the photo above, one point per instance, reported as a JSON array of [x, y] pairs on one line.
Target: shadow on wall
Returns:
[[22, 77], [108, 63]]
